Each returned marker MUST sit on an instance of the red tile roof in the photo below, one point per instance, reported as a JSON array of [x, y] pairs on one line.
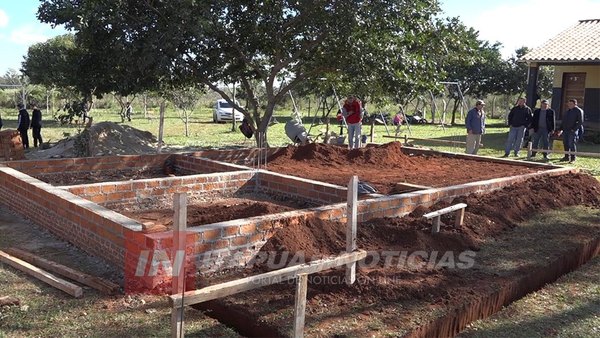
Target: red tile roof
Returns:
[[580, 43]]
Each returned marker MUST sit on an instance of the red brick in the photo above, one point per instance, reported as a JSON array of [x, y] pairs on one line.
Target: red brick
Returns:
[[240, 240], [256, 238], [220, 244], [248, 229], [209, 235], [92, 190], [231, 231]]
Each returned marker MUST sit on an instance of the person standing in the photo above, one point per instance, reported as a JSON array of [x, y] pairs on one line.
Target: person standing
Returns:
[[23, 125], [543, 124], [128, 111], [571, 125], [475, 124], [519, 118], [352, 111], [36, 125]]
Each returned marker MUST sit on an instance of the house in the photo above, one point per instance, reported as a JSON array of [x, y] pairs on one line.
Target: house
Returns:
[[575, 55]]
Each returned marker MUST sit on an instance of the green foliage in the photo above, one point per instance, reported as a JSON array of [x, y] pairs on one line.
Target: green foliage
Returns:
[[377, 49]]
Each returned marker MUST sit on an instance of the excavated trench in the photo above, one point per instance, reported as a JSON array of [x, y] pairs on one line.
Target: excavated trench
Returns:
[[247, 324]]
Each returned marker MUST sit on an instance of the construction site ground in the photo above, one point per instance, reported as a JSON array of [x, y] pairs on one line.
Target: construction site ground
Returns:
[[47, 312], [215, 210], [513, 233], [385, 165]]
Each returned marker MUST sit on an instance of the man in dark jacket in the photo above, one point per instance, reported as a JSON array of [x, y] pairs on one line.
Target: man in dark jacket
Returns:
[[543, 125], [36, 125], [519, 118], [23, 125], [571, 124]]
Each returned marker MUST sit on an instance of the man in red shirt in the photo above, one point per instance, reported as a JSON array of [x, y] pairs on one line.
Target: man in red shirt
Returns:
[[352, 111]]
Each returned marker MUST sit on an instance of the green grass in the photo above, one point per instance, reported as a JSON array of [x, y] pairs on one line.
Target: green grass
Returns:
[[47, 312], [204, 133], [569, 307]]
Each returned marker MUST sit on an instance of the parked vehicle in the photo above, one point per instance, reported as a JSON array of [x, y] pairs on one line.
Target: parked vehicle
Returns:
[[224, 112]]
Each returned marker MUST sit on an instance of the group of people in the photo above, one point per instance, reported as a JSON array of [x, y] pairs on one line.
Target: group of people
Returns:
[[541, 123], [24, 123]]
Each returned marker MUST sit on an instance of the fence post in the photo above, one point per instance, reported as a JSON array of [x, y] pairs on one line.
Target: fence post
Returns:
[[529, 148], [300, 305], [179, 260], [351, 227]]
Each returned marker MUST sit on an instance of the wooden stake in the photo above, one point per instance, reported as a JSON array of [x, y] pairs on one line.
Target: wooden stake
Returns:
[[176, 322], [179, 260], [460, 217], [351, 227], [300, 307], [529, 150], [59, 283], [65, 271], [436, 225], [179, 240]]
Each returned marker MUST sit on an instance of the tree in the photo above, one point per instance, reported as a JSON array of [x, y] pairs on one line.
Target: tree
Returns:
[[517, 75], [481, 73], [185, 99], [383, 44]]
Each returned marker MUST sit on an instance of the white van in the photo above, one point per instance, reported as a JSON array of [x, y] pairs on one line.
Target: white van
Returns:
[[224, 111]]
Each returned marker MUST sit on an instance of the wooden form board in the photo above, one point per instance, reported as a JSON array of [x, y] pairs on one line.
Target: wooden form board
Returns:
[[254, 282], [65, 271], [59, 283], [436, 215], [425, 139]]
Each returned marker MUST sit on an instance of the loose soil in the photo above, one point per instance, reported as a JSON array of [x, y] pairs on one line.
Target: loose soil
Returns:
[[107, 175], [385, 295], [101, 139], [214, 211], [383, 166]]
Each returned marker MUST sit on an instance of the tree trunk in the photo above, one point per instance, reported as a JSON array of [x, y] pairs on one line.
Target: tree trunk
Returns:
[[233, 123], [454, 109], [186, 121], [145, 106]]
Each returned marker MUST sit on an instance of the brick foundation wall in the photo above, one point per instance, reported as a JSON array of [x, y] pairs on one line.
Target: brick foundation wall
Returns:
[[92, 228], [188, 164], [46, 168], [300, 188], [229, 244], [160, 190], [114, 237], [246, 157]]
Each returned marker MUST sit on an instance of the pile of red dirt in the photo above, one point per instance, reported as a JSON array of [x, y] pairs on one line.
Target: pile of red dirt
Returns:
[[383, 166], [486, 216], [388, 155]]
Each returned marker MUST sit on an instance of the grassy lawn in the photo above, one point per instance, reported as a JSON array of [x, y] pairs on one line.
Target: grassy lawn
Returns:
[[569, 307], [204, 133]]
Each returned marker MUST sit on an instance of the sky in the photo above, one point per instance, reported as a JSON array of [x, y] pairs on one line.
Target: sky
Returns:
[[514, 23]]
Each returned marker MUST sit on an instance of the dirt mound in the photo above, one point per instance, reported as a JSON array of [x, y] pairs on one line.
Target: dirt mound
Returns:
[[486, 215], [383, 166], [108, 138], [104, 138], [389, 155]]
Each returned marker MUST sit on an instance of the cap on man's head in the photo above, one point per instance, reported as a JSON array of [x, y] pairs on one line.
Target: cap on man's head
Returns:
[[544, 101], [480, 103]]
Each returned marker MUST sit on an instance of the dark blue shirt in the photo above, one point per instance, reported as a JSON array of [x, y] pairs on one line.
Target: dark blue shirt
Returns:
[[475, 122]]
